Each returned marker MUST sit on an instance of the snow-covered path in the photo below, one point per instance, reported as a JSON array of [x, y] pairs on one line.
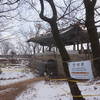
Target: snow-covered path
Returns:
[[59, 91], [13, 80], [10, 91]]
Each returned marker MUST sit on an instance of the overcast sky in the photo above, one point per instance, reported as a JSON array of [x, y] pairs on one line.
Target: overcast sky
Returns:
[[29, 14]]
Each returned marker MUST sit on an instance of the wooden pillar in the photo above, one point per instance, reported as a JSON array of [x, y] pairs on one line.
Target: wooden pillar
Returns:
[[82, 48], [56, 49], [49, 48], [88, 50], [77, 46], [43, 49], [34, 50], [81, 45], [74, 47], [39, 49], [88, 46]]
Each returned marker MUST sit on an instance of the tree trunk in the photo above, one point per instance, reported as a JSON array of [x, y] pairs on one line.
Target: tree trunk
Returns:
[[60, 45], [65, 58], [93, 35]]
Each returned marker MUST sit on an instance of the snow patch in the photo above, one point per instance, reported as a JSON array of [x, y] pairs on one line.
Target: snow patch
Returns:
[[59, 91], [15, 73]]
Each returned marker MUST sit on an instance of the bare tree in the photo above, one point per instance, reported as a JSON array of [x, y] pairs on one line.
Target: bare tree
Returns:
[[6, 46], [60, 45], [26, 46], [6, 7], [37, 29], [69, 11], [92, 31]]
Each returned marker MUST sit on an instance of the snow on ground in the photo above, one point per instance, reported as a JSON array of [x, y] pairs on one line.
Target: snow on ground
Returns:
[[58, 91], [46, 91], [14, 73]]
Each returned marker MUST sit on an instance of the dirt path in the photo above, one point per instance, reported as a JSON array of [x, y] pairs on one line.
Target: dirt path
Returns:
[[9, 92]]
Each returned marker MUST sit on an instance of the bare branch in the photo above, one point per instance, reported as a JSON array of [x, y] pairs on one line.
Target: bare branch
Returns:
[[90, 3], [42, 12], [32, 5], [53, 9], [2, 30], [54, 18], [97, 12], [97, 25], [94, 2], [97, 21], [64, 14], [8, 10], [87, 3], [10, 2]]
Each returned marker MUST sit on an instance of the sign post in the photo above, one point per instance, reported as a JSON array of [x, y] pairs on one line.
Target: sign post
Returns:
[[81, 69]]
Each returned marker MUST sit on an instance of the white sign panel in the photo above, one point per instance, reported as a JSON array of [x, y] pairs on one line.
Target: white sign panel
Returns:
[[81, 69]]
